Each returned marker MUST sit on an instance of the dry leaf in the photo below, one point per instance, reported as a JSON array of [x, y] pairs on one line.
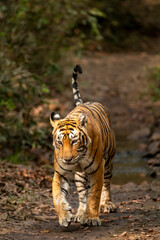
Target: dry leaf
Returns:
[[46, 231], [123, 234]]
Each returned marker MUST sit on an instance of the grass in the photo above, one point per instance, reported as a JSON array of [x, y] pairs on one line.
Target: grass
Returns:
[[154, 82]]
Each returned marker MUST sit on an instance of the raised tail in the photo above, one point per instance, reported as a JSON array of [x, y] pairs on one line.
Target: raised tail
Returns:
[[76, 93]]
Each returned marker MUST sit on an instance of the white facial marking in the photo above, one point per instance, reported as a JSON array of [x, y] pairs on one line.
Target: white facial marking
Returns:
[[73, 134], [59, 135]]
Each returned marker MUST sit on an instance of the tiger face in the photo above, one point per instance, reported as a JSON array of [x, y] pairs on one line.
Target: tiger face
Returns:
[[67, 142], [70, 138]]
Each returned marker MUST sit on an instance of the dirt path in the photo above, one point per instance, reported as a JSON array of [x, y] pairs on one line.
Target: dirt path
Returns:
[[26, 210], [120, 82]]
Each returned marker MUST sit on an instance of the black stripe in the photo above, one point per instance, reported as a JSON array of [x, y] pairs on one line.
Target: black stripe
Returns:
[[100, 113], [65, 121], [81, 176], [57, 147], [83, 139], [107, 161], [78, 100], [108, 176], [81, 149], [76, 93], [74, 75], [90, 186], [68, 124], [82, 190], [64, 190], [109, 172], [63, 129], [80, 129], [83, 154], [92, 160], [103, 125], [67, 170], [78, 68], [90, 110], [80, 181], [95, 170], [62, 176], [82, 201]]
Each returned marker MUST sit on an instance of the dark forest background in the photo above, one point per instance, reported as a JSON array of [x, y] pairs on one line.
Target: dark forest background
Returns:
[[38, 39]]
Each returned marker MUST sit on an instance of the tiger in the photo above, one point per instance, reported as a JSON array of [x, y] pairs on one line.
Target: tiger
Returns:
[[84, 145]]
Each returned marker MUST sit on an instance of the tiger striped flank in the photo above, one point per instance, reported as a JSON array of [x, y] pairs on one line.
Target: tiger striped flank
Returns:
[[84, 144]]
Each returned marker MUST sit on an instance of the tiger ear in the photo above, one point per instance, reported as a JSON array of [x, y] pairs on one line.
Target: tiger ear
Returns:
[[54, 119], [82, 119]]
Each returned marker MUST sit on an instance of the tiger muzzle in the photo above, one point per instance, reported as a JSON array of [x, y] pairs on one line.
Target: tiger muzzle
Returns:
[[67, 160]]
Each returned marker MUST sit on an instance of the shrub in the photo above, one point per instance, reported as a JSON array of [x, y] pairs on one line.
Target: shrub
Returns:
[[154, 83]]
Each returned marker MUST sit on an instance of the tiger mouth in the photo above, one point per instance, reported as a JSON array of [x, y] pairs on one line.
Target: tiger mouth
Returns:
[[71, 162]]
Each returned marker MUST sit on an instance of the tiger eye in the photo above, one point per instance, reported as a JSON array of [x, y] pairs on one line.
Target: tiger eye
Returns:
[[75, 141], [59, 142]]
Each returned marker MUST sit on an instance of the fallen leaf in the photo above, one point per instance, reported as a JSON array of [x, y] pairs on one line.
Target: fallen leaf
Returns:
[[3, 216], [46, 231], [123, 234]]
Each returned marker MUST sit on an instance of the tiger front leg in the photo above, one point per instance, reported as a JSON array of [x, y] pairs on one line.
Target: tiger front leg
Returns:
[[106, 205], [90, 216], [60, 186], [81, 181]]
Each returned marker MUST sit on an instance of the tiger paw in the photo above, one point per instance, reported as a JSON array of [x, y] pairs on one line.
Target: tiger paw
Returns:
[[90, 221], [79, 216], [107, 207], [65, 215], [66, 219]]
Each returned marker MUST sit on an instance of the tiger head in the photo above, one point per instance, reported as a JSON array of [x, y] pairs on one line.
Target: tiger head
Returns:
[[70, 138]]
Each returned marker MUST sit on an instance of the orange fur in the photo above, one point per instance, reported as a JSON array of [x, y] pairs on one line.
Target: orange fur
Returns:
[[84, 144]]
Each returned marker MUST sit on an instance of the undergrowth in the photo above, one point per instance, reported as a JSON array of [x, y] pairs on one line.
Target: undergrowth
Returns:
[[38, 40], [154, 83]]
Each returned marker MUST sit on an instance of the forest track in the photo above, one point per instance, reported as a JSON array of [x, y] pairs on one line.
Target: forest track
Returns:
[[26, 212]]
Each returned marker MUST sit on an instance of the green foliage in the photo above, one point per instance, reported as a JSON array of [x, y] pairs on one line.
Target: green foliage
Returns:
[[20, 91], [38, 33], [37, 39], [154, 83], [128, 23], [35, 36]]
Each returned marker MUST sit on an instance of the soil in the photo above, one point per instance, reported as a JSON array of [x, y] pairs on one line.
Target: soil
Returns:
[[119, 81]]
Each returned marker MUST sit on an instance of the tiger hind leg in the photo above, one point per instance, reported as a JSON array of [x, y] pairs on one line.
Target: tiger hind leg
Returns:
[[106, 205], [81, 182]]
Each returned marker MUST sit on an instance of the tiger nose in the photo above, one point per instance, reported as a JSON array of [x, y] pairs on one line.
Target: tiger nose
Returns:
[[67, 159]]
